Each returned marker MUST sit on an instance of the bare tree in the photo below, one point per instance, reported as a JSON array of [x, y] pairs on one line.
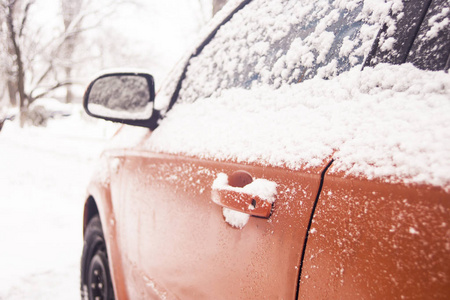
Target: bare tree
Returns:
[[14, 31], [3, 69], [36, 58], [7, 87], [8, 57], [70, 10], [217, 5], [35, 66]]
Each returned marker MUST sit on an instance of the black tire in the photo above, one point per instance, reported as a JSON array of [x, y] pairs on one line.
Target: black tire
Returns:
[[95, 276]]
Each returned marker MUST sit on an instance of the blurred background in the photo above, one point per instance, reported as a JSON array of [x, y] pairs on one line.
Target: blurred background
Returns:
[[49, 52]]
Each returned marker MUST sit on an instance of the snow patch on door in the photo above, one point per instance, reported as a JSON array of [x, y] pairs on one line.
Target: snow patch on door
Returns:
[[235, 218]]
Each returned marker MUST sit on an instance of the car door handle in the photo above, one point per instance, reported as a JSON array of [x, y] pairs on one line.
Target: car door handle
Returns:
[[240, 193], [246, 203]]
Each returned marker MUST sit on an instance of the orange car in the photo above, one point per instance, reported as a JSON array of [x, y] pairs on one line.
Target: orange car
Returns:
[[302, 151]]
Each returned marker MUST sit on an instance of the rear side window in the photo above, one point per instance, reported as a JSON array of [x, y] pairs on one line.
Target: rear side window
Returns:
[[283, 42], [393, 45], [431, 48]]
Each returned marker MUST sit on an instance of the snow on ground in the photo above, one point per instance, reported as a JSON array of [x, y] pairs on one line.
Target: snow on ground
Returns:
[[43, 177]]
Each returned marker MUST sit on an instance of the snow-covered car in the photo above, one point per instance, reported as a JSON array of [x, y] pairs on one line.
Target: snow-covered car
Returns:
[[43, 109], [301, 151]]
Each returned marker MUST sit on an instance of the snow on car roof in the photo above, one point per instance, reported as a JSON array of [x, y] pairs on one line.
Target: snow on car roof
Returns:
[[389, 122]]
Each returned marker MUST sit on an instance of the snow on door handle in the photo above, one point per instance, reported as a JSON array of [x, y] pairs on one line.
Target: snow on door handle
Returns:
[[252, 205], [255, 198]]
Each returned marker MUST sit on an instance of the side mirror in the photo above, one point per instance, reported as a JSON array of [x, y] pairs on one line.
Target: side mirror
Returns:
[[121, 97]]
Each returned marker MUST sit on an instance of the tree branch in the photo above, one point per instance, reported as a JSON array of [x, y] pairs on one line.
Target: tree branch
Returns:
[[25, 16], [20, 77], [56, 86], [49, 69]]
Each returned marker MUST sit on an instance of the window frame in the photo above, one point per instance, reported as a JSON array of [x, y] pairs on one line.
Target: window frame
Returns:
[[198, 50]]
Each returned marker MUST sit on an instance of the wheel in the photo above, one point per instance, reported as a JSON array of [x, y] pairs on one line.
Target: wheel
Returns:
[[96, 281]]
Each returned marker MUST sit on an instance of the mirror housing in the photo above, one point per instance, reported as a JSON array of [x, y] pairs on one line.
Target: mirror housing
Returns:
[[125, 97]]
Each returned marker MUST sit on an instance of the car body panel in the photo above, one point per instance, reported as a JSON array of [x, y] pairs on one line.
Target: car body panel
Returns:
[[99, 191], [175, 242], [377, 240]]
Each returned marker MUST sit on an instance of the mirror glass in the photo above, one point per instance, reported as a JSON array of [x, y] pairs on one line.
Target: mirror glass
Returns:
[[121, 97]]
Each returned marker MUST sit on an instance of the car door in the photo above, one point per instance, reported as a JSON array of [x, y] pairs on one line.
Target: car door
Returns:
[[178, 244], [377, 238], [177, 240]]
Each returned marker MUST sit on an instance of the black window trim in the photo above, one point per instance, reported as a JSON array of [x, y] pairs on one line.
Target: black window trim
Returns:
[[373, 52], [199, 49]]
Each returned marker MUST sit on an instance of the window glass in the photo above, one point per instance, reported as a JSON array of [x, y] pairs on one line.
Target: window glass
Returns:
[[393, 46], [431, 48], [283, 42]]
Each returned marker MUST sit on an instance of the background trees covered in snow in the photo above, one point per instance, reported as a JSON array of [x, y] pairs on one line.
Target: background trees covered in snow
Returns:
[[52, 48], [39, 48]]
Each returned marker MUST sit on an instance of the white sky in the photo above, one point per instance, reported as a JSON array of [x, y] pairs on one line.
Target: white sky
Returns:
[[164, 29]]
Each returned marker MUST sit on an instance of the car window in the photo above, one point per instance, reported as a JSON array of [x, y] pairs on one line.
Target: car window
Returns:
[[393, 45], [431, 48], [278, 42]]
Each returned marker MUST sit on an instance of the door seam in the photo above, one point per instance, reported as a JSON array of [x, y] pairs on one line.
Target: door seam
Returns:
[[322, 176]]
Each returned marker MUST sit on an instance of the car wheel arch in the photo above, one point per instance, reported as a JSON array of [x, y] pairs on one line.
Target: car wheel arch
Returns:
[[90, 210], [95, 273]]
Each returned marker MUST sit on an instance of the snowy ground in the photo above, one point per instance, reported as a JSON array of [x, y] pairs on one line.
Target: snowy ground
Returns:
[[43, 177]]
